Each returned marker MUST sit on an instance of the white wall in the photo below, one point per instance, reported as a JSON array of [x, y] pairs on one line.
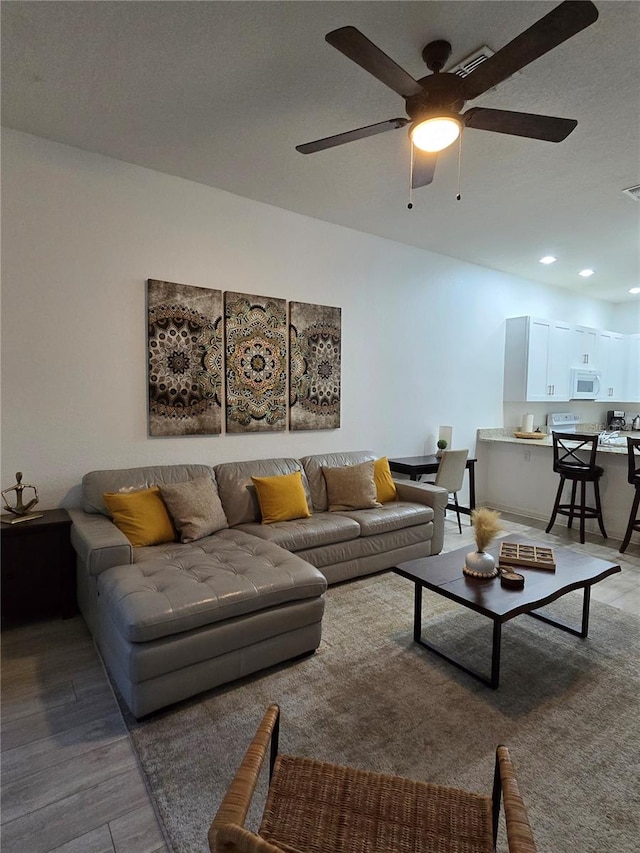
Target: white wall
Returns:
[[423, 335]]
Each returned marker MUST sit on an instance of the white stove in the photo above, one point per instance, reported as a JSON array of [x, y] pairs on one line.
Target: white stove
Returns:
[[562, 422]]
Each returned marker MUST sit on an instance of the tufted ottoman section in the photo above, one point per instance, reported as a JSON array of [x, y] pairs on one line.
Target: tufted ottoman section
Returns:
[[184, 618]]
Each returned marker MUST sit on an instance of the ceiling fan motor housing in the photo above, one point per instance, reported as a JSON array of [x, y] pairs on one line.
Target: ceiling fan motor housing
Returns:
[[440, 93]]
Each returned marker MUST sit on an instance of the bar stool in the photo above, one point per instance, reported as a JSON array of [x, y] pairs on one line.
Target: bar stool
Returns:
[[633, 450], [571, 466]]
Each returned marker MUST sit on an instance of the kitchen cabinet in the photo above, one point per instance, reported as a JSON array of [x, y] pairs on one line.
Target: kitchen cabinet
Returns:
[[538, 359], [585, 348], [633, 369], [612, 362]]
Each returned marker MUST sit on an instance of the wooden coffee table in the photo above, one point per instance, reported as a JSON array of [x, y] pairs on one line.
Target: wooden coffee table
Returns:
[[443, 574]]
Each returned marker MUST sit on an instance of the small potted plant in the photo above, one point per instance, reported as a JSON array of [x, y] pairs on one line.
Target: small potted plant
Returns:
[[441, 445]]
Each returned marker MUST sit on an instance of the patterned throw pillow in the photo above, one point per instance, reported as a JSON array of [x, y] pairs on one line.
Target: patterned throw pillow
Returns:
[[351, 487], [195, 507], [141, 516], [281, 498]]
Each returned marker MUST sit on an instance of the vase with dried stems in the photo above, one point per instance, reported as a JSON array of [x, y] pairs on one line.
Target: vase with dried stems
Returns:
[[486, 525]]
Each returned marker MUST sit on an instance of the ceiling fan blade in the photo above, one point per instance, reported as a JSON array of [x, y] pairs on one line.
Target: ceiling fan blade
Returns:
[[367, 55], [549, 128], [424, 166], [351, 135], [557, 26]]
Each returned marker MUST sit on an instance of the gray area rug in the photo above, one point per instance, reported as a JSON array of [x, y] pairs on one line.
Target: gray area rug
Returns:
[[568, 709]]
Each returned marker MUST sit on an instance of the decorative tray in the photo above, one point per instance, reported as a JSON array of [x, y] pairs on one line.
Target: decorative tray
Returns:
[[534, 556], [530, 434]]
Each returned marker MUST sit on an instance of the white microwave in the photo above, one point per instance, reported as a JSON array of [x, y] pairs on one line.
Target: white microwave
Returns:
[[585, 384]]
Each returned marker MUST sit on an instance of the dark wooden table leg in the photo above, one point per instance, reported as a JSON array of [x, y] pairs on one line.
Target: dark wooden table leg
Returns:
[[495, 654], [472, 485], [417, 613]]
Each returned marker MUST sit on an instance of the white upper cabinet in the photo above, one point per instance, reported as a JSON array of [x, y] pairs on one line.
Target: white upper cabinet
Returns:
[[585, 350], [612, 362], [632, 354], [538, 357], [540, 354]]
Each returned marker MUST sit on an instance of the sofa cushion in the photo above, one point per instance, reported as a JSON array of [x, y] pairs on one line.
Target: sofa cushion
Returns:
[[321, 528], [236, 489], [195, 508], [313, 465], [281, 498], [385, 487], [176, 587], [96, 483], [141, 515], [351, 487], [394, 515]]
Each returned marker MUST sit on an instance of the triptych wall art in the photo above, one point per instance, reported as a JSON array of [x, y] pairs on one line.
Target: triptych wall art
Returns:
[[193, 343]]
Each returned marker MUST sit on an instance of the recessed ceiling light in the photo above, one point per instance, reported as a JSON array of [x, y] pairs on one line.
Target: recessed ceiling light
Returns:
[[586, 273], [548, 259], [635, 290]]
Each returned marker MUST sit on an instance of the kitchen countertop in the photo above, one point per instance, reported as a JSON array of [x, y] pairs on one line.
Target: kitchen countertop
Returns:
[[507, 436]]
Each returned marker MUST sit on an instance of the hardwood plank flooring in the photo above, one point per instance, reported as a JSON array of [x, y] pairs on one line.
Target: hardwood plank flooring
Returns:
[[70, 778]]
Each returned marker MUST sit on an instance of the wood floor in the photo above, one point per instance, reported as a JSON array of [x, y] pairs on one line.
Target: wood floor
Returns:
[[70, 778]]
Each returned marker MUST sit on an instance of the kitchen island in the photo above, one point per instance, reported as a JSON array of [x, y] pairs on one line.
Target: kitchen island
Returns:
[[516, 475]]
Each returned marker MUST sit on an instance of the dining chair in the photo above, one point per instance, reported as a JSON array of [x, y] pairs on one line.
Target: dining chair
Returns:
[[450, 475], [315, 806]]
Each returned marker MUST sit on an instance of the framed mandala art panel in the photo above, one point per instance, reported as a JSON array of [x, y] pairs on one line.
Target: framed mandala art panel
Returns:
[[185, 351], [314, 366], [256, 363]]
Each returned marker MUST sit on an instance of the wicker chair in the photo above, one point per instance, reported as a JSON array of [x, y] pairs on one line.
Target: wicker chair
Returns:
[[314, 806]]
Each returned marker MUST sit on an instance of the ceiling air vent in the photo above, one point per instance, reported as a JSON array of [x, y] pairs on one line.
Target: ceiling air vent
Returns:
[[464, 68], [633, 192]]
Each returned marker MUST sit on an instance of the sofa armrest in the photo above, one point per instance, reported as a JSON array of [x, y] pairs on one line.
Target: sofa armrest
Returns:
[[430, 495], [98, 542]]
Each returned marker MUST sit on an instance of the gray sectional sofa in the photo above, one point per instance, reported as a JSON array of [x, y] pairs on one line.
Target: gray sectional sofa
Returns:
[[175, 619]]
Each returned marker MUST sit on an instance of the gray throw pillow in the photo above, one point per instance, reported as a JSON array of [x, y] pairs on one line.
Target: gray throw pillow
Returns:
[[195, 508], [351, 487]]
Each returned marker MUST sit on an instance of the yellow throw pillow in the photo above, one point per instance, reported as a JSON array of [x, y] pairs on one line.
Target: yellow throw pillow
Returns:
[[385, 486], [281, 498], [351, 487], [142, 516]]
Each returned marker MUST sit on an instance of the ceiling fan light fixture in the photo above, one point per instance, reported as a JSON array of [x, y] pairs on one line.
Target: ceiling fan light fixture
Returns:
[[435, 133]]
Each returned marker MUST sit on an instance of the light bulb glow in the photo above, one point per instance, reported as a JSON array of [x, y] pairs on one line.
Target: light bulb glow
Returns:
[[548, 259], [586, 273], [634, 290], [435, 134]]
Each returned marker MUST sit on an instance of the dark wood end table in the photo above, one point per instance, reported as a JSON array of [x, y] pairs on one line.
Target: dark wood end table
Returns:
[[443, 574], [38, 568]]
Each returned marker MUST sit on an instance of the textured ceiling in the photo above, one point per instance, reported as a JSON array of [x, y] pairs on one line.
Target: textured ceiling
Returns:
[[221, 92]]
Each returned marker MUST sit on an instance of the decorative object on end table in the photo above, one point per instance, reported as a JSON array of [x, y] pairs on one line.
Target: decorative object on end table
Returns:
[[19, 512], [442, 445], [486, 524]]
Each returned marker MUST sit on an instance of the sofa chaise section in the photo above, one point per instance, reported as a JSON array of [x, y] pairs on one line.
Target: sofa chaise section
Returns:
[[234, 606], [174, 619]]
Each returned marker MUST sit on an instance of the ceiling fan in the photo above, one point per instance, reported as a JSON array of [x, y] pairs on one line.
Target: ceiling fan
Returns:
[[434, 102]]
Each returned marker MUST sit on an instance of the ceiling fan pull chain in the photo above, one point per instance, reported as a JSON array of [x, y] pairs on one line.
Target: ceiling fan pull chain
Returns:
[[410, 205], [458, 196]]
